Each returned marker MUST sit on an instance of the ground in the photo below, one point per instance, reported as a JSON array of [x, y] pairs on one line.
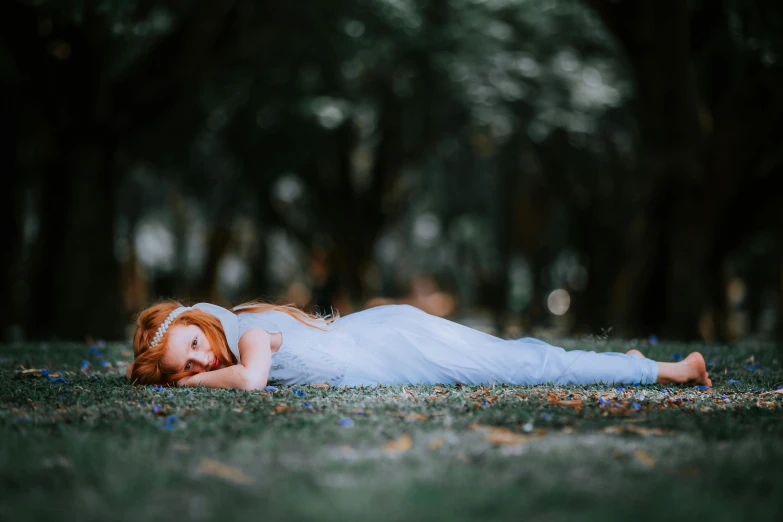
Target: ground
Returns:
[[96, 448]]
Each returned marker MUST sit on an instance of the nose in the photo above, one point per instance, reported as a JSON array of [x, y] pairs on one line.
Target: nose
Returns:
[[204, 358]]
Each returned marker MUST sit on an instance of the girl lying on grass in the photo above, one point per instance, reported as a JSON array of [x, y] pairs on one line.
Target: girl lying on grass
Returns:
[[256, 344]]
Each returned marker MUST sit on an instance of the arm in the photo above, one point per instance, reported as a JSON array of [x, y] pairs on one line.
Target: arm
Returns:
[[255, 350]]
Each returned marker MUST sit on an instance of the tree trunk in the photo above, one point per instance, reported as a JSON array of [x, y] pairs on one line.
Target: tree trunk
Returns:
[[217, 245], [90, 300], [11, 215]]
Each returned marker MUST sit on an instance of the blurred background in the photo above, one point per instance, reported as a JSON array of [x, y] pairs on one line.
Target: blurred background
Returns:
[[586, 167]]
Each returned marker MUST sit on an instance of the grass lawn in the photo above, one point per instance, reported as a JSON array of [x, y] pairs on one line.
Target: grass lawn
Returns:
[[96, 448]]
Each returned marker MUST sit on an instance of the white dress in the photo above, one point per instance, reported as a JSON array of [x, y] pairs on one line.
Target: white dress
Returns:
[[400, 344]]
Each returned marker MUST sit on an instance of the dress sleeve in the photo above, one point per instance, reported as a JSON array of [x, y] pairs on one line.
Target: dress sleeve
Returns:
[[247, 321]]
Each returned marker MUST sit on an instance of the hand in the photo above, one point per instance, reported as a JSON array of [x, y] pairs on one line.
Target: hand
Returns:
[[184, 381]]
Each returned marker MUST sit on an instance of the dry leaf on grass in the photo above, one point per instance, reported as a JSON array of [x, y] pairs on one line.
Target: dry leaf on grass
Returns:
[[638, 430], [645, 458], [499, 435], [281, 408], [400, 445], [435, 443], [321, 385], [687, 471], [410, 416], [773, 392], [218, 469]]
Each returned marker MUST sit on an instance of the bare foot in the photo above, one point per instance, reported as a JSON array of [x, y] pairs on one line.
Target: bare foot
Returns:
[[691, 370], [634, 352]]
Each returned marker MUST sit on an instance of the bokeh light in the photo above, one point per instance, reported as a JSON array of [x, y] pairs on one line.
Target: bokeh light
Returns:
[[558, 302]]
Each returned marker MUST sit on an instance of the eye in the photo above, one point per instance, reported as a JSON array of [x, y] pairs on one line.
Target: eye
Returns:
[[194, 343], [187, 366]]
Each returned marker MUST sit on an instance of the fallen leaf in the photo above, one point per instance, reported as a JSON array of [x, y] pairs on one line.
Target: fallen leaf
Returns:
[[638, 430], [281, 408], [645, 458], [435, 443], [400, 445], [218, 469], [688, 471], [540, 432], [499, 435], [321, 385], [773, 392], [577, 404]]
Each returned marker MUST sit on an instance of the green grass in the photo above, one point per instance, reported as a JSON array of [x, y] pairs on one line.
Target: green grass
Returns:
[[94, 449]]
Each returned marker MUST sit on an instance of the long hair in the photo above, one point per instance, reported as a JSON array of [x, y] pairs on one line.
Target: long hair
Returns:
[[147, 367]]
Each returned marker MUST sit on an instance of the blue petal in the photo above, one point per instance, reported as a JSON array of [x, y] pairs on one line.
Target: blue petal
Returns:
[[732, 381], [653, 339], [346, 422], [677, 356], [300, 393], [156, 408], [84, 364], [307, 404], [104, 363], [703, 387], [636, 406], [270, 388], [620, 389]]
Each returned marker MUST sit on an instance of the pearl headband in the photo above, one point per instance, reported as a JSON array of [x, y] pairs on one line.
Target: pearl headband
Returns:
[[227, 319]]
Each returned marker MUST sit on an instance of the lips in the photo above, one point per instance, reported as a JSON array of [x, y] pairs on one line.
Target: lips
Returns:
[[215, 364]]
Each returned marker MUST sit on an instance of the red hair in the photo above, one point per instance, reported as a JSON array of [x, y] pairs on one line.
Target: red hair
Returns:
[[147, 368]]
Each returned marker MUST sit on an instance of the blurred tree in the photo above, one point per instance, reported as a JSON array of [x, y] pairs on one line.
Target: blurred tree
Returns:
[[709, 114], [468, 133]]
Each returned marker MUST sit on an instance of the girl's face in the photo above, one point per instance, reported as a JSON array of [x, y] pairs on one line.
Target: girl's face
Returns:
[[189, 350]]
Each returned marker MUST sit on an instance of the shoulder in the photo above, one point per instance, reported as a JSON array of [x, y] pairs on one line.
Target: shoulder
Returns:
[[267, 321], [254, 337]]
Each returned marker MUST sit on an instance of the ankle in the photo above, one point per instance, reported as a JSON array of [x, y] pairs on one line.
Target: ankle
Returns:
[[670, 373]]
